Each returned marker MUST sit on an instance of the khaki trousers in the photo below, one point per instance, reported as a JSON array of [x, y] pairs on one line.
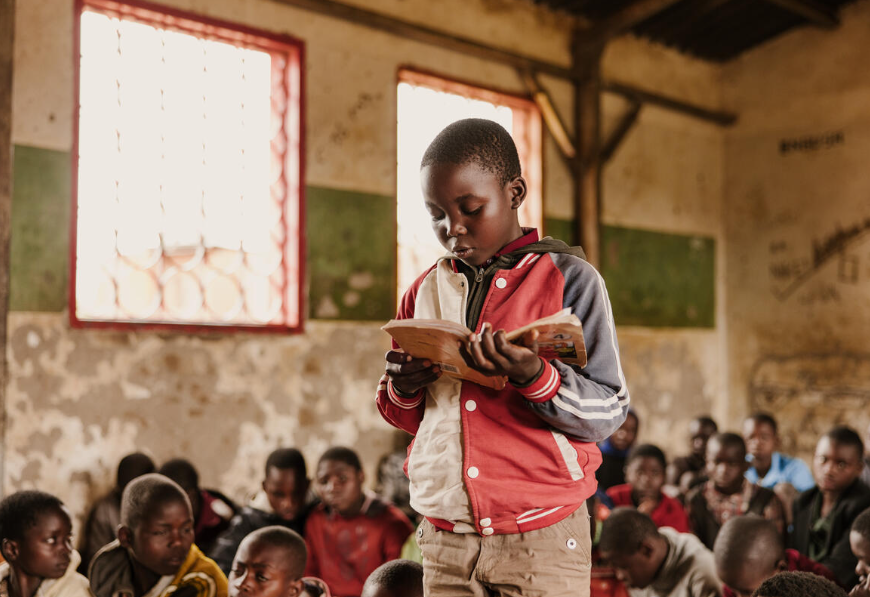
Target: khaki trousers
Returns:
[[551, 562]]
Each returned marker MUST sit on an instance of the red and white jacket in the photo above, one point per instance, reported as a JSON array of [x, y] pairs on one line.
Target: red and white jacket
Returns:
[[521, 458]]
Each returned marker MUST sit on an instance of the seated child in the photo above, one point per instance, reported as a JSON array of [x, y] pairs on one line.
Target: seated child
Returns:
[[270, 563], [661, 561], [749, 550], [798, 584], [645, 471], [685, 472], [105, 515], [399, 578], [154, 554], [35, 540], [614, 452], [728, 493], [824, 514], [351, 532], [282, 501], [212, 511], [859, 541]]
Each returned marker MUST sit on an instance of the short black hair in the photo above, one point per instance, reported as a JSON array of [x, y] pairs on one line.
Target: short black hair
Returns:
[[647, 451], [624, 530], [727, 439], [20, 512], [862, 524], [342, 454], [476, 140], [132, 466], [182, 472], [286, 459], [798, 584], [707, 421], [144, 493], [399, 577], [288, 540], [846, 436], [766, 418], [747, 538]]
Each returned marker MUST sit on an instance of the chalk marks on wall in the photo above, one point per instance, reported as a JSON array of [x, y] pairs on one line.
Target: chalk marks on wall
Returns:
[[809, 143]]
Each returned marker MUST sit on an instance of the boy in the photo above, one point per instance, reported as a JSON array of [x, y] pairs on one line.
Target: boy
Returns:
[[614, 453], [645, 472], [399, 578], [154, 555], [798, 584], [270, 563], [35, 540], [663, 562], [824, 514], [727, 493], [351, 532], [749, 550], [493, 471], [859, 541], [283, 501], [687, 471]]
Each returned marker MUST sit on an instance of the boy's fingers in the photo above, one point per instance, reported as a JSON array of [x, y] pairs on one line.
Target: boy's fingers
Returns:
[[477, 356], [397, 356]]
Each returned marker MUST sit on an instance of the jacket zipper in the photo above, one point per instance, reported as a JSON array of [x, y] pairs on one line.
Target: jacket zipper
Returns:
[[477, 294]]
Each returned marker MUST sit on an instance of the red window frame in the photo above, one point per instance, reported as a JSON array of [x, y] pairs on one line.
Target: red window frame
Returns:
[[293, 303]]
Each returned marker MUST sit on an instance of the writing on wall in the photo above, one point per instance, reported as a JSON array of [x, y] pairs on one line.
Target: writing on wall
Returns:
[[809, 143]]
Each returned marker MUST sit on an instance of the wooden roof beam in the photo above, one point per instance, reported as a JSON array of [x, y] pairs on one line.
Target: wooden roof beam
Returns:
[[816, 13], [624, 20]]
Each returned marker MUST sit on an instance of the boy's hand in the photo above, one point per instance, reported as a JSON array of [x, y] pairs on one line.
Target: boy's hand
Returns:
[[409, 374], [860, 590], [492, 354]]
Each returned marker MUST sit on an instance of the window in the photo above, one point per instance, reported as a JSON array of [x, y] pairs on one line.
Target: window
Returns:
[[188, 192], [427, 104]]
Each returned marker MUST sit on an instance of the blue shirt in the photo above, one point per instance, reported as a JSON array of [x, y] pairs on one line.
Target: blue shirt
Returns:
[[783, 469]]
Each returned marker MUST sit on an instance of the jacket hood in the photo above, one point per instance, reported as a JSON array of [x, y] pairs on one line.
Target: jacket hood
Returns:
[[548, 244]]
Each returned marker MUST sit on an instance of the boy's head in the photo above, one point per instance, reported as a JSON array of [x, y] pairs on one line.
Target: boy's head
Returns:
[[185, 474], [798, 584], [726, 462], [286, 482], [399, 578], [761, 435], [132, 466], [748, 551], [839, 459], [624, 437], [156, 523], [631, 543], [645, 471], [339, 480], [473, 187], [36, 534], [701, 429], [859, 541], [269, 563]]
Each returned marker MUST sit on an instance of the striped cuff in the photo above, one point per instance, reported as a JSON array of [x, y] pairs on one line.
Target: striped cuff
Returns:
[[543, 388], [404, 402]]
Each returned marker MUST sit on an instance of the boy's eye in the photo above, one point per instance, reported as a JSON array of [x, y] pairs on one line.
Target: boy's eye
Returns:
[[51, 540], [472, 212], [261, 578]]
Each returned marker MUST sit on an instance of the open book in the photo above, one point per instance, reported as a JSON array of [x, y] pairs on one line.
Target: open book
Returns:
[[560, 337]]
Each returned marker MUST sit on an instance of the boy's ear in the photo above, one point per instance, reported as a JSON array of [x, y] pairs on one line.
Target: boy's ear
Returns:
[[295, 588], [518, 189], [9, 549], [125, 536]]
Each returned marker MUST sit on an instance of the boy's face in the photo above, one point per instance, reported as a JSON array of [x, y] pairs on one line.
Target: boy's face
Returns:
[[623, 438], [262, 570], [725, 466], [836, 466], [285, 491], [761, 440], [44, 552], [163, 538], [861, 549], [339, 485], [473, 214], [699, 434], [636, 570], [646, 476]]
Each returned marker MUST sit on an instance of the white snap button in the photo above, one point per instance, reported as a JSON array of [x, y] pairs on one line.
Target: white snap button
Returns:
[[572, 544], [470, 405], [485, 522], [473, 472], [420, 532], [501, 283], [487, 531]]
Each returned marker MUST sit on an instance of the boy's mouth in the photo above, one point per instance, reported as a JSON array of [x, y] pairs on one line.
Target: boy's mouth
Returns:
[[462, 252]]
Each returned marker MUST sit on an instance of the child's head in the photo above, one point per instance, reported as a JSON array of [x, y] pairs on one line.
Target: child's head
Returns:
[[701, 429], [156, 523], [859, 541], [838, 461], [473, 189], [761, 435], [631, 543], [748, 551], [339, 480], [399, 578], [798, 584], [645, 470], [726, 462], [185, 474], [269, 563], [132, 466], [35, 534], [286, 482], [624, 437]]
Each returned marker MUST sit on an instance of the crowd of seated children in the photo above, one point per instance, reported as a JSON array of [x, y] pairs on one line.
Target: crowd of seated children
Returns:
[[351, 532], [824, 514], [859, 541], [685, 472], [284, 501], [212, 511], [750, 549], [36, 542], [615, 450], [645, 473], [399, 578], [728, 493]]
